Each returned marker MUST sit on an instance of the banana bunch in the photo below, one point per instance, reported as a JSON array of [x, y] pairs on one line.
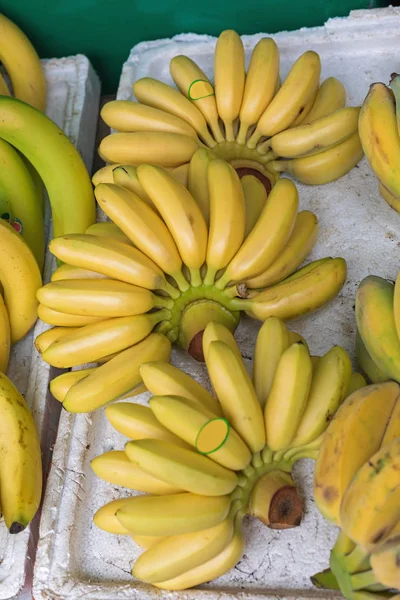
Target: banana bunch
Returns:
[[174, 259], [379, 127], [356, 486], [205, 461], [378, 328], [260, 126]]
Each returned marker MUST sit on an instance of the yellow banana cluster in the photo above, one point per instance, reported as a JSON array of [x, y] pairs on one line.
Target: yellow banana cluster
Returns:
[[205, 461], [260, 126]]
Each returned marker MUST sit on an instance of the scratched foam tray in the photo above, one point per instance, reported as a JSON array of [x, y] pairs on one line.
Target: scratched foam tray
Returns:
[[75, 559], [73, 99]]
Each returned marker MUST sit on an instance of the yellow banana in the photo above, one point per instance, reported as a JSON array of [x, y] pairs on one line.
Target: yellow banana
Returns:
[[21, 464], [229, 76], [104, 175], [236, 394], [198, 175], [126, 176], [227, 219], [116, 468], [108, 229], [330, 383], [255, 198], [288, 396], [195, 85], [357, 381], [298, 247], [274, 501], [385, 565], [261, 80], [162, 96], [299, 86], [368, 366], [5, 336], [185, 469], [215, 331], [22, 64], [353, 435], [105, 518], [20, 278], [147, 541], [117, 376], [60, 385], [70, 272], [61, 319], [331, 97], [268, 237], [302, 116], [181, 173], [45, 339]]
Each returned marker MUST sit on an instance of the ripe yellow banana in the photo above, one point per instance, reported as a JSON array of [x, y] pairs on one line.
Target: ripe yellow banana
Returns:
[[70, 272], [385, 565], [229, 76], [61, 319], [325, 166], [368, 366], [288, 396], [194, 84], [138, 422], [162, 96], [116, 468], [60, 386], [197, 178], [163, 378], [330, 383], [108, 229], [116, 377], [236, 394], [300, 85], [260, 87], [20, 278], [126, 176], [45, 339], [302, 116], [268, 237], [21, 462], [227, 219], [331, 97], [177, 554], [5, 336], [215, 331], [147, 541], [181, 173], [255, 197], [22, 64], [298, 247], [353, 435], [105, 518], [173, 514], [104, 175]]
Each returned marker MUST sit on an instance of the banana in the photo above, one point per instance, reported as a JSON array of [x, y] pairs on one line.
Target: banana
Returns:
[[20, 278], [261, 81], [195, 85], [298, 247], [143, 226], [255, 198], [90, 343], [126, 176], [127, 116], [227, 219], [21, 464], [396, 305], [104, 175], [325, 166], [97, 298], [302, 116], [60, 319], [271, 342], [19, 190], [116, 468], [376, 324], [198, 175], [215, 331], [45, 339], [22, 64], [330, 98], [4, 91], [294, 297], [162, 96], [181, 214], [181, 173], [70, 272], [147, 541], [317, 136], [353, 435], [300, 85], [371, 505], [177, 554], [163, 378], [357, 381], [60, 386], [329, 387], [5, 336], [173, 514], [236, 394], [393, 427], [165, 149], [385, 566], [368, 366], [268, 237], [111, 258], [288, 396], [56, 160], [138, 422], [188, 420], [108, 229], [105, 518], [116, 377], [229, 76]]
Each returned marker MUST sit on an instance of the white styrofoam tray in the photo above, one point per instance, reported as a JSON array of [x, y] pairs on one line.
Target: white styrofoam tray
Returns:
[[74, 558], [72, 102]]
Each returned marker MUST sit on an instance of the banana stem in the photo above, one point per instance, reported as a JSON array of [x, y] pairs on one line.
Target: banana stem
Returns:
[[161, 315], [210, 276], [171, 290], [269, 157], [181, 281], [254, 139], [242, 135], [222, 282], [162, 302], [231, 291], [195, 277], [277, 166], [240, 303], [354, 561], [229, 133], [360, 581]]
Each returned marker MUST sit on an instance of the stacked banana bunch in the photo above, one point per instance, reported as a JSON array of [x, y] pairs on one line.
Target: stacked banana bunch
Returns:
[[172, 261], [249, 119], [379, 127], [206, 461], [378, 328], [356, 487]]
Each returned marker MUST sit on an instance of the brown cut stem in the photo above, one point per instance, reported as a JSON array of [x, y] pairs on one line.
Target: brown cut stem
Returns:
[[275, 501]]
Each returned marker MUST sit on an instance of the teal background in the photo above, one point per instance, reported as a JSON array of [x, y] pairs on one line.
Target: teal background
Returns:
[[105, 30]]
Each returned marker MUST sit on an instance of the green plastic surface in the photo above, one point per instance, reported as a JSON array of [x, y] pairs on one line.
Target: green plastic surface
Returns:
[[105, 30]]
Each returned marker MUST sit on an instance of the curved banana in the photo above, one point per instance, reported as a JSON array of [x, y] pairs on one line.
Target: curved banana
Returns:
[[216, 331], [229, 76], [331, 97], [60, 386], [181, 173], [391, 200], [70, 272], [104, 175], [368, 366], [126, 176], [5, 336], [302, 116], [45, 339], [385, 566], [357, 381], [108, 229], [105, 518], [198, 175], [255, 198], [61, 319]]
